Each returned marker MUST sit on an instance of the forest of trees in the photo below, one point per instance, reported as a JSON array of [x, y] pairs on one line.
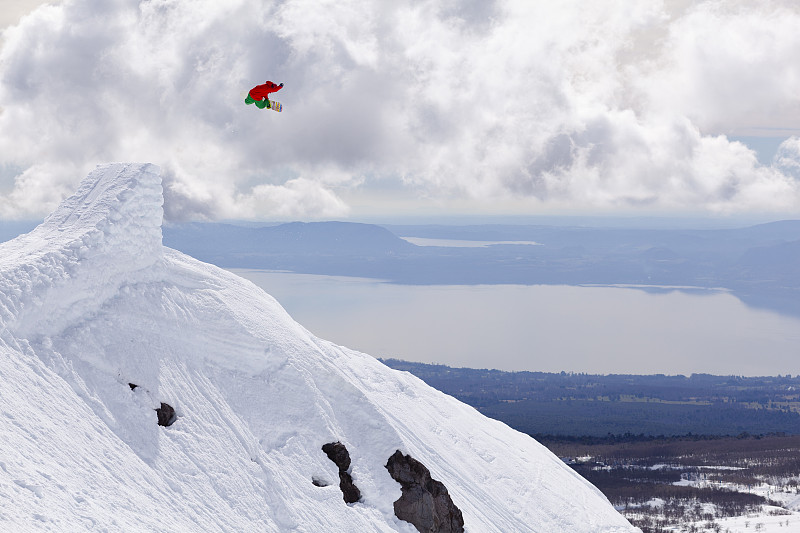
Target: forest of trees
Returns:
[[579, 405]]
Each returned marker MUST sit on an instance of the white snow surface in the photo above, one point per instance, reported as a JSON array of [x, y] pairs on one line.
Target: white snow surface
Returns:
[[91, 301]]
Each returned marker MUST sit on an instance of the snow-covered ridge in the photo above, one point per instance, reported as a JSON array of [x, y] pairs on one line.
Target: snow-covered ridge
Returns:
[[96, 239], [92, 304]]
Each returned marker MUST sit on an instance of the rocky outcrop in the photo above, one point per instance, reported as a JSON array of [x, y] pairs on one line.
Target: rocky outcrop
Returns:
[[166, 415], [425, 502], [337, 453]]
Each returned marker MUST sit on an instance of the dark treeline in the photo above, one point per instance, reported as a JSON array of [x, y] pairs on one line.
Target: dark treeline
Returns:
[[594, 406], [497, 384], [626, 438], [762, 455]]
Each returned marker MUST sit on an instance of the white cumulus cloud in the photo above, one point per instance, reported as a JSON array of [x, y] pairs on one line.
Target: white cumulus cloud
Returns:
[[572, 104]]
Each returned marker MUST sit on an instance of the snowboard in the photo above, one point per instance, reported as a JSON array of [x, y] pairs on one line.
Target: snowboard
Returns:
[[277, 106]]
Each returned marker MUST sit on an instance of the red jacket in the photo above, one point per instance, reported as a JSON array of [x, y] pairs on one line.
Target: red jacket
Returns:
[[259, 92]]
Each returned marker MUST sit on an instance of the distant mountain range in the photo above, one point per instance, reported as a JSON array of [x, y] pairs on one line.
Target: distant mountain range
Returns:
[[759, 263]]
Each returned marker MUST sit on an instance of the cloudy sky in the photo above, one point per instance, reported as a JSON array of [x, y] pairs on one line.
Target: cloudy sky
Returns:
[[407, 107]]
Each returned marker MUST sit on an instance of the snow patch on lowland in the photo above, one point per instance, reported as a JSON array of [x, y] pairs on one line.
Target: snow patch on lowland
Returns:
[[91, 304]]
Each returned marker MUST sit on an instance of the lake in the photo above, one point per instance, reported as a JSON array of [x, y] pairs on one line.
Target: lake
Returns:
[[548, 328]]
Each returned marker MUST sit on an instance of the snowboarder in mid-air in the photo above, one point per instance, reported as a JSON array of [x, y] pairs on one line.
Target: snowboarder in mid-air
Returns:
[[259, 95]]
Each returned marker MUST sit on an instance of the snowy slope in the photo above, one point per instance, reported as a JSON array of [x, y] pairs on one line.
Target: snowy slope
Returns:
[[90, 301]]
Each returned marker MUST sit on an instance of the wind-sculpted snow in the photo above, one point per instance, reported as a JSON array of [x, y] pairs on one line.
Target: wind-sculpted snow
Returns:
[[91, 302], [99, 238]]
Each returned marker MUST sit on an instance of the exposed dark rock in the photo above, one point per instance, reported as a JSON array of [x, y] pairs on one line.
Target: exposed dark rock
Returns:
[[425, 502], [337, 453], [166, 415], [350, 492], [132, 386], [319, 482]]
